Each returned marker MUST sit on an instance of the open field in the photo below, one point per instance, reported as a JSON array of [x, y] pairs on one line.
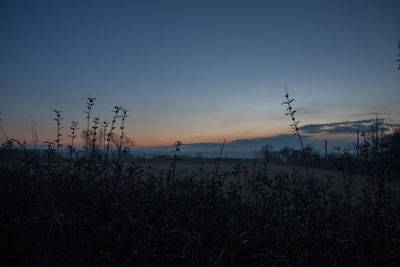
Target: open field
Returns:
[[200, 133], [248, 168], [115, 210], [101, 206]]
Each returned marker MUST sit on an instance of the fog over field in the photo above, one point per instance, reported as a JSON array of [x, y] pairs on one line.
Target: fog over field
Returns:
[[245, 147], [199, 133]]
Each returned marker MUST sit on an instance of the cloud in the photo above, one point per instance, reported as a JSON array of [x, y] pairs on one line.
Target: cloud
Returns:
[[368, 114], [346, 127]]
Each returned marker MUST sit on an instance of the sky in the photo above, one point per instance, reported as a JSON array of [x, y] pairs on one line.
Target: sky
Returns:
[[198, 71]]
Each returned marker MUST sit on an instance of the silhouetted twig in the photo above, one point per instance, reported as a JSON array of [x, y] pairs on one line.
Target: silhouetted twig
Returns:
[[295, 126]]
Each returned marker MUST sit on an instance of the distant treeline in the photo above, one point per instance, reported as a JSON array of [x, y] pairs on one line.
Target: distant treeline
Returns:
[[350, 158]]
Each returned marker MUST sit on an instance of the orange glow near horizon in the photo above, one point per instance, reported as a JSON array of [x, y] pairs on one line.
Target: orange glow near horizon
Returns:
[[152, 135], [152, 140]]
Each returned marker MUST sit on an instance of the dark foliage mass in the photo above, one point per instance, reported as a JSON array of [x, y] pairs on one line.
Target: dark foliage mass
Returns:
[[102, 207]]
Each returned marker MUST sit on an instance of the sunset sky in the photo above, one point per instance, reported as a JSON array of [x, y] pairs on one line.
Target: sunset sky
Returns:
[[198, 71]]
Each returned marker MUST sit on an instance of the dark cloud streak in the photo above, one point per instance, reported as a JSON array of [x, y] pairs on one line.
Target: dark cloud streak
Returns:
[[345, 127]]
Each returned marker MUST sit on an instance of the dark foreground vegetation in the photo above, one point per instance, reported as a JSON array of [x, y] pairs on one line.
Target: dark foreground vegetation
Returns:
[[101, 207]]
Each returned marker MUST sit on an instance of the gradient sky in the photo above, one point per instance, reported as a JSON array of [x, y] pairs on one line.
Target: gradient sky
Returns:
[[197, 71]]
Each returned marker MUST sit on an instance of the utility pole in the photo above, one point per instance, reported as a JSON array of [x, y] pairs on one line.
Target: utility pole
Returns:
[[326, 149], [358, 146]]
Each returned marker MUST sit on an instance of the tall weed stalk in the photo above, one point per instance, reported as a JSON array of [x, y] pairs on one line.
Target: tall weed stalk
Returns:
[[295, 126]]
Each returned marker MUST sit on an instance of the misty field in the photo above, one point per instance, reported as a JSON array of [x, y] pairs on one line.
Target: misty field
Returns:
[[165, 133], [101, 205], [245, 168], [135, 212]]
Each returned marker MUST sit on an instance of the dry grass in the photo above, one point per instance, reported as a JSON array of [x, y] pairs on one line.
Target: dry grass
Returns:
[[101, 207], [324, 176]]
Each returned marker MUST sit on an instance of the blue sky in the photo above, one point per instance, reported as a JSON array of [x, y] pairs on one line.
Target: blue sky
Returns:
[[197, 71]]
